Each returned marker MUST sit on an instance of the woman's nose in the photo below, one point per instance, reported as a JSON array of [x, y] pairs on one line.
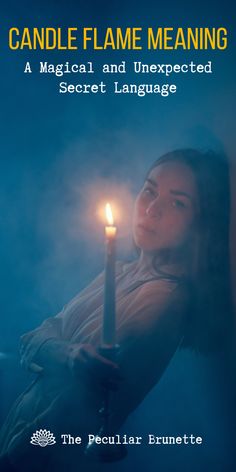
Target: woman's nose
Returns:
[[154, 209]]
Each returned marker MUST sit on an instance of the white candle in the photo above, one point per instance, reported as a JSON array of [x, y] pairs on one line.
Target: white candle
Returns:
[[109, 310]]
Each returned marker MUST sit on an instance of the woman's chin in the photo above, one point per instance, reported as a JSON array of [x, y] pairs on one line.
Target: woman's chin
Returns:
[[145, 245]]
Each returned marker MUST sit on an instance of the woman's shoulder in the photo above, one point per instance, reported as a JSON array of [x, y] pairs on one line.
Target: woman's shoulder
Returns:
[[154, 300], [166, 290], [152, 285], [157, 305]]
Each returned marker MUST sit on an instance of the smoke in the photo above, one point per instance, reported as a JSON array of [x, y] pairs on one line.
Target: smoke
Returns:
[[70, 216]]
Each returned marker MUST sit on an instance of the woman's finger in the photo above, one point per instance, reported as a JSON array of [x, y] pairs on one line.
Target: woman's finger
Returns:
[[91, 355]]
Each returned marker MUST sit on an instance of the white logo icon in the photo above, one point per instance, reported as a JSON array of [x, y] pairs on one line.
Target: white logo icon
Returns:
[[43, 438]]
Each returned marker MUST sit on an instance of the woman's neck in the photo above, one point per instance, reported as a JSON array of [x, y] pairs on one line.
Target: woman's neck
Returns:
[[152, 260]]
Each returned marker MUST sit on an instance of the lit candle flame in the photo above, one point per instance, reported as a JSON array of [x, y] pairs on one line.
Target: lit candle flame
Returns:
[[109, 215]]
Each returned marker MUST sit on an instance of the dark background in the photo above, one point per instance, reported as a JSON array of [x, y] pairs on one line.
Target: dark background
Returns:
[[63, 154]]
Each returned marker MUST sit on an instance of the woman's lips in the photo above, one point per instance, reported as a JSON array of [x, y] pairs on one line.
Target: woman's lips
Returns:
[[146, 228]]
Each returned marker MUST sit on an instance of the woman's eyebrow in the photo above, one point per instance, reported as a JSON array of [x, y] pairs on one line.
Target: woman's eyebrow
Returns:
[[181, 193], [151, 182], [174, 192]]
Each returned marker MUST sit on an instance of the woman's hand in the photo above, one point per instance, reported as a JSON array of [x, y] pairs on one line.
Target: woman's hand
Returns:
[[85, 360]]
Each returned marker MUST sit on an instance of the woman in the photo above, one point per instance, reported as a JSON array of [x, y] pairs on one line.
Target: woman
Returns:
[[175, 294]]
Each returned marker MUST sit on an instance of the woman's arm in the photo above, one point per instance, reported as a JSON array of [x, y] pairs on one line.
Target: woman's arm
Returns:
[[44, 346], [48, 345]]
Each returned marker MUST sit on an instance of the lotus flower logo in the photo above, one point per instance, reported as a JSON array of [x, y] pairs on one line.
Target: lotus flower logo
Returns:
[[43, 438]]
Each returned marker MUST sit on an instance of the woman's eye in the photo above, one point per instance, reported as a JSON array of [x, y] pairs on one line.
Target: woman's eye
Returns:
[[149, 191], [178, 204]]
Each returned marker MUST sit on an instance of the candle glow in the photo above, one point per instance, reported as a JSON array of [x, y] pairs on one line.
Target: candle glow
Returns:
[[110, 229]]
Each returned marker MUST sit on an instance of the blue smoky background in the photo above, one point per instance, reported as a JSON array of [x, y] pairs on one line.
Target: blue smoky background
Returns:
[[62, 155]]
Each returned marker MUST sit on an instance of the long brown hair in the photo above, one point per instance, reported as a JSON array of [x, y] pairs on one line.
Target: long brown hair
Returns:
[[210, 318]]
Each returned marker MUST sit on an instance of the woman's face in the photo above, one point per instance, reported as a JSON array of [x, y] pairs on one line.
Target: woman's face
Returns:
[[166, 208]]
